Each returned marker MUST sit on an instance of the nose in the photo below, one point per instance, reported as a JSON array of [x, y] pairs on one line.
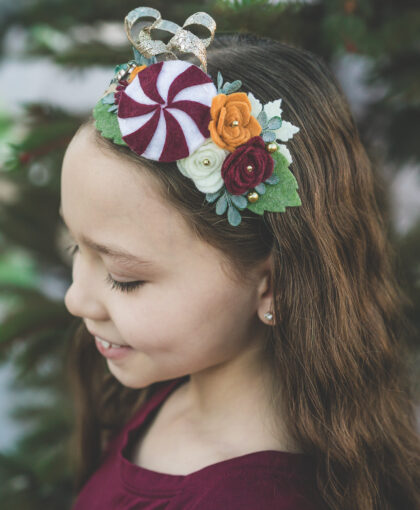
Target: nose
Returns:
[[83, 298]]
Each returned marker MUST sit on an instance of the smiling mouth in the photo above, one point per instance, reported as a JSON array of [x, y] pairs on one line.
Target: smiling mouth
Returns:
[[112, 351], [106, 343]]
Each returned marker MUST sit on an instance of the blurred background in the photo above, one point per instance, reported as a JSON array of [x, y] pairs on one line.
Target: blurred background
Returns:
[[56, 59]]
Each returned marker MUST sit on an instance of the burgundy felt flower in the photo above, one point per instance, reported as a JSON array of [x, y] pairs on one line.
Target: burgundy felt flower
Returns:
[[122, 84], [249, 165]]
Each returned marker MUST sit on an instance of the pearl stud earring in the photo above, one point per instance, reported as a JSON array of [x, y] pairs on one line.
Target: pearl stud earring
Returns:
[[268, 316]]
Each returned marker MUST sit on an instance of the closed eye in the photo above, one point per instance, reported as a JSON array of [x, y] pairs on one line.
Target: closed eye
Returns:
[[123, 286], [115, 284]]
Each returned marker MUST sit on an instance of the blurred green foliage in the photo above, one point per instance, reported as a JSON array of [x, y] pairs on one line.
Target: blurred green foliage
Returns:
[[35, 329]]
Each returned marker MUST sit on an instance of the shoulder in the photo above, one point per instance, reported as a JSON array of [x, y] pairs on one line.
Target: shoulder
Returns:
[[258, 490]]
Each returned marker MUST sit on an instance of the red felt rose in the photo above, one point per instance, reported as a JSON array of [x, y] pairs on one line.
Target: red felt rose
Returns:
[[249, 165]]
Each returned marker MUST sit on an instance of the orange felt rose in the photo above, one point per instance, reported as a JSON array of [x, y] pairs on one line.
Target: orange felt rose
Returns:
[[232, 123]]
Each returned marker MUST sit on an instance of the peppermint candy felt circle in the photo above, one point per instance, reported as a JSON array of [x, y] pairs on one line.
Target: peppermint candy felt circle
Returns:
[[164, 113]]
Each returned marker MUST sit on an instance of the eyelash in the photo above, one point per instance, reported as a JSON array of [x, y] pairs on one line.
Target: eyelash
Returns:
[[122, 286]]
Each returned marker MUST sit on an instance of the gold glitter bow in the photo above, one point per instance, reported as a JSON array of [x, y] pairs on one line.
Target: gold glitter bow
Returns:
[[183, 39]]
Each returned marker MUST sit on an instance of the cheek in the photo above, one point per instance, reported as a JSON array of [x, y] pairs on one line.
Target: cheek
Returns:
[[192, 320]]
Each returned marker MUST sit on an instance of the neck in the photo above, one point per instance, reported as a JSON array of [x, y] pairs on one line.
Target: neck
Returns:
[[233, 401]]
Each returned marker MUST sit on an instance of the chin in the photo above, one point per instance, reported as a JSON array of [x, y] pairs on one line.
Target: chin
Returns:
[[139, 377], [127, 379]]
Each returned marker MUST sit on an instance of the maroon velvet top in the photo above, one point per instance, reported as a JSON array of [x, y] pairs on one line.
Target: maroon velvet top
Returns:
[[261, 480]]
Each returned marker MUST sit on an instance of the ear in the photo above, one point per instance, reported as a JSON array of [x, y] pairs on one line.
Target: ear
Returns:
[[265, 292]]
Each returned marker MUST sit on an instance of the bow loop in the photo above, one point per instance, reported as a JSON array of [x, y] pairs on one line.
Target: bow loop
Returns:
[[162, 37]]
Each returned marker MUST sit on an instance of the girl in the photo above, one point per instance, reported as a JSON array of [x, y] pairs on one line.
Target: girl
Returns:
[[256, 366]]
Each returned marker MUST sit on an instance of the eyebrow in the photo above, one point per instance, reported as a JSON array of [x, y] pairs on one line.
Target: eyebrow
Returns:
[[121, 256]]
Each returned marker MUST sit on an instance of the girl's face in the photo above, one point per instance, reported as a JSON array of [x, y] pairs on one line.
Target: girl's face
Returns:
[[186, 315]]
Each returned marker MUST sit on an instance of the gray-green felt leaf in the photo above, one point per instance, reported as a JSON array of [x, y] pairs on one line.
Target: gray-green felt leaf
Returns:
[[239, 200], [107, 123], [262, 119], [119, 67], [273, 179], [211, 197], [230, 88], [260, 188], [274, 123], [109, 98], [281, 195], [219, 81], [234, 217], [268, 136], [221, 205]]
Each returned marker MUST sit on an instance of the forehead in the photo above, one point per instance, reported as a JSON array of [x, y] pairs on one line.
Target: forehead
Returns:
[[110, 200]]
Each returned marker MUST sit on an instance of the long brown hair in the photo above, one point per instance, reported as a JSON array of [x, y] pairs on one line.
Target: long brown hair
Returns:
[[336, 355]]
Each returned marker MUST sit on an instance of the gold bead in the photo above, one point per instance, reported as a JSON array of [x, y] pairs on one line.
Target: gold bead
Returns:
[[272, 147], [253, 196], [250, 168], [235, 123], [206, 162]]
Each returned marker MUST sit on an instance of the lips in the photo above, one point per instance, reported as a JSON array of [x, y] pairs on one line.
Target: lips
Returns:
[[114, 353]]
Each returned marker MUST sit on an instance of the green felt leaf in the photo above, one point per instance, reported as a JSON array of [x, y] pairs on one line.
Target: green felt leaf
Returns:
[[239, 201], [107, 123], [281, 195], [234, 217], [221, 204], [274, 123]]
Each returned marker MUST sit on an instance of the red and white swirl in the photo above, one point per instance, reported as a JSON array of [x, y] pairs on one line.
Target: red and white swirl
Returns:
[[164, 112]]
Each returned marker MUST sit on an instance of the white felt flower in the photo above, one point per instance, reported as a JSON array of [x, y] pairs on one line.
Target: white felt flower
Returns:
[[273, 109], [256, 106], [285, 151], [286, 131], [204, 166]]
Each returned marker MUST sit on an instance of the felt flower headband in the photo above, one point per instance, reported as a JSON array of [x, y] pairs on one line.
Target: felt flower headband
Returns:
[[226, 141]]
